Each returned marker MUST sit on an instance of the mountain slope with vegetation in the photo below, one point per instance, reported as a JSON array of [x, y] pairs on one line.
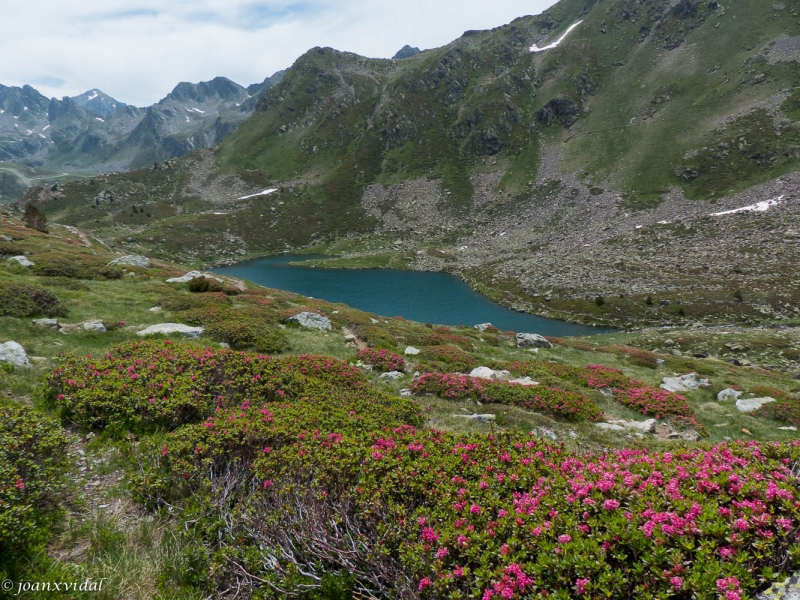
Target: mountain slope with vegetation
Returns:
[[576, 182]]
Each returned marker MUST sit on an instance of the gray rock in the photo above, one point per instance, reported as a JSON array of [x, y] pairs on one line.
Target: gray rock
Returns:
[[487, 373], [155, 309], [350, 338], [374, 321], [788, 589], [14, 354], [23, 261], [478, 418], [192, 275], [96, 326], [391, 375], [545, 432], [406, 393], [788, 428], [610, 426], [483, 326], [747, 405], [532, 340], [728, 394], [646, 426], [685, 436], [168, 328], [524, 381], [45, 323], [411, 351], [311, 320], [133, 260], [684, 383]]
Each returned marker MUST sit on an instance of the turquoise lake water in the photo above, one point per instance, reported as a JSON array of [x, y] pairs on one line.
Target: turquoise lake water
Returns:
[[425, 297]]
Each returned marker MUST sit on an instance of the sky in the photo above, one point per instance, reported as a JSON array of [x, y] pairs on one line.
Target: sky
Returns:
[[138, 50]]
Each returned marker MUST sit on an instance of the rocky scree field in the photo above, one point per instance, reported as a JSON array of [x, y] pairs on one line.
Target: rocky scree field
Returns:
[[371, 456]]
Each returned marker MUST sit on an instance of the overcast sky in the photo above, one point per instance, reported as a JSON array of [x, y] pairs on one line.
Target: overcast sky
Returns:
[[138, 50]]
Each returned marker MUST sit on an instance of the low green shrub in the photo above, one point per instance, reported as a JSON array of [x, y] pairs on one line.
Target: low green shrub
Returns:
[[783, 411], [27, 300], [32, 466], [243, 329], [447, 359]]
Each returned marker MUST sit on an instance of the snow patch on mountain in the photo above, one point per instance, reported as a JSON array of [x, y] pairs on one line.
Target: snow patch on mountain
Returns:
[[763, 206], [555, 44], [264, 193]]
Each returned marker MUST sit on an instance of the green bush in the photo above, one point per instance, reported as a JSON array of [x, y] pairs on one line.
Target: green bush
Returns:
[[448, 359], [32, 466], [26, 300], [243, 329]]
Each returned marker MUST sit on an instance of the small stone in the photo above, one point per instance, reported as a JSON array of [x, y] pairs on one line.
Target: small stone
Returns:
[[311, 320], [132, 260], [610, 426], [684, 383], [23, 261], [155, 309], [747, 405], [350, 338], [483, 326], [374, 321], [168, 328], [411, 351], [96, 326], [192, 275], [524, 381], [532, 340], [406, 393], [14, 354], [45, 323], [686, 436], [746, 431], [789, 428], [729, 394], [391, 375]]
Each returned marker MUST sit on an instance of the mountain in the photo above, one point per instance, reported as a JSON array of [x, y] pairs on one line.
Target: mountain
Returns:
[[567, 164], [99, 103], [93, 132], [406, 52]]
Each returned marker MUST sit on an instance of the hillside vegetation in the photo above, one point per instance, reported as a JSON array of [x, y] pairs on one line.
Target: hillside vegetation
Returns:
[[268, 460]]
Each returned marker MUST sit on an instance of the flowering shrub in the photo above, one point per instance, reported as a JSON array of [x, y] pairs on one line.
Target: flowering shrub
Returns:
[[32, 465], [144, 385], [551, 401], [649, 401], [454, 516], [383, 360], [783, 411]]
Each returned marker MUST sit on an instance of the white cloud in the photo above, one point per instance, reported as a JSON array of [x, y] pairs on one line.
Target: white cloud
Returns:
[[139, 50]]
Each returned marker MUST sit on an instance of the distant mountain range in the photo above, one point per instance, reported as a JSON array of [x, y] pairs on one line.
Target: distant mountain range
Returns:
[[93, 132]]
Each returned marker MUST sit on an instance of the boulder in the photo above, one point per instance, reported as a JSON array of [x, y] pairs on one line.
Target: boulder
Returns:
[[96, 326], [646, 426], [391, 375], [311, 320], [478, 418], [192, 275], [23, 261], [684, 436], [789, 589], [411, 351], [532, 340], [168, 328], [729, 394], [483, 326], [406, 393], [684, 383], [350, 338], [14, 354], [610, 426], [544, 432], [487, 373], [132, 260], [524, 381], [46, 323], [747, 405]]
